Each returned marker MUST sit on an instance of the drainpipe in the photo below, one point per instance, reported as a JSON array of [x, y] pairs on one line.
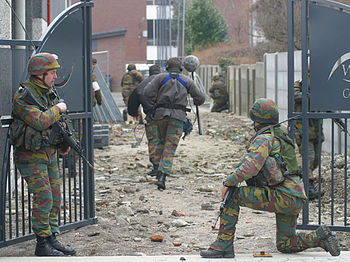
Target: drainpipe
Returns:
[[48, 12]]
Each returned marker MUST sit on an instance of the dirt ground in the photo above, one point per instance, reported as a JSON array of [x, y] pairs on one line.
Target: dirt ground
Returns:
[[130, 209]]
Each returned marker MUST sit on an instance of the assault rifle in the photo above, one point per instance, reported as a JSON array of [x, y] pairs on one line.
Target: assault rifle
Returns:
[[341, 125], [227, 197], [61, 130]]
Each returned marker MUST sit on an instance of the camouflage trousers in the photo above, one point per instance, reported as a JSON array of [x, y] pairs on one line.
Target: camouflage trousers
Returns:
[[40, 171], [314, 150], [286, 208], [169, 132], [152, 138]]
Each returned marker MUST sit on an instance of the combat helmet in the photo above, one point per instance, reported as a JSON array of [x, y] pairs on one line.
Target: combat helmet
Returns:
[[41, 63], [264, 111], [131, 67], [217, 77]]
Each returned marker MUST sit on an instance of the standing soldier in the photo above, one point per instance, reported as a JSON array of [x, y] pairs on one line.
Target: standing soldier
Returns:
[[314, 145], [218, 93], [170, 90], [270, 169], [35, 157], [136, 99], [130, 80], [96, 90]]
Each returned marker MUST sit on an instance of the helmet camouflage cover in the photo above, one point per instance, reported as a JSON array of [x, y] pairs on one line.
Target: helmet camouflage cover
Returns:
[[218, 77], [41, 63], [131, 67], [264, 111]]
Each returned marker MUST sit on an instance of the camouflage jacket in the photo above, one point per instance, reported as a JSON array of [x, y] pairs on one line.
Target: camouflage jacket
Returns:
[[313, 122], [129, 82], [218, 91], [31, 126], [263, 146]]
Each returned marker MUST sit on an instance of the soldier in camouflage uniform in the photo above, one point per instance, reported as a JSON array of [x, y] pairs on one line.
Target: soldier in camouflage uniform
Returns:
[[35, 157], [170, 90], [218, 93], [270, 169], [96, 90], [129, 82], [314, 146], [136, 99]]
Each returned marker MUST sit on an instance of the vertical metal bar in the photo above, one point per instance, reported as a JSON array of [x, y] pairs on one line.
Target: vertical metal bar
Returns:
[[332, 176], [23, 208], [29, 213], [178, 28], [89, 138], [248, 90], [254, 84], [183, 28], [70, 186], [319, 149], [305, 120], [16, 204], [64, 163], [9, 203], [239, 91], [345, 171]]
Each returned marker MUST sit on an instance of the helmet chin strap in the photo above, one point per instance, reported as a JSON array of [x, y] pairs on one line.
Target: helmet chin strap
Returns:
[[42, 80]]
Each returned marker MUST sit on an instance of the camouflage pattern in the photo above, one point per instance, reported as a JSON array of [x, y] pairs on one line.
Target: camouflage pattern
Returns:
[[286, 207], [169, 132], [41, 63], [264, 111], [152, 138], [40, 171], [218, 92], [315, 131], [34, 157], [129, 82], [285, 199]]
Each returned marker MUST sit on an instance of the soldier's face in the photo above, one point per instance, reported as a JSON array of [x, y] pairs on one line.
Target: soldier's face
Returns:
[[50, 77], [93, 66]]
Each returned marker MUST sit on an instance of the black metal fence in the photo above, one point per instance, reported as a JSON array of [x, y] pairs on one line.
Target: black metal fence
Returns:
[[317, 60]]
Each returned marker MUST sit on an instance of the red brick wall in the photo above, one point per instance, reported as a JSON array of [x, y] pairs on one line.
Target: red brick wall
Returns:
[[111, 15]]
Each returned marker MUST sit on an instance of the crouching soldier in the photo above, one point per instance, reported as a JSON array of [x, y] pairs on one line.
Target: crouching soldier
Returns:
[[271, 171]]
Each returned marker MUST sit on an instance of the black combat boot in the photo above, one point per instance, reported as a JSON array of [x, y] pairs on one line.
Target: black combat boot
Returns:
[[161, 180], [125, 115], [154, 171], [328, 241], [43, 248], [313, 192], [59, 246], [212, 253]]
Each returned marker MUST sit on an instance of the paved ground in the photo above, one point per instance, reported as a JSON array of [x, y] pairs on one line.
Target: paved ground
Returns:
[[300, 257]]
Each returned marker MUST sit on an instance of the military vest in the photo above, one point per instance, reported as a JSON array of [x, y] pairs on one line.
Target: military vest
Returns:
[[277, 165], [23, 135]]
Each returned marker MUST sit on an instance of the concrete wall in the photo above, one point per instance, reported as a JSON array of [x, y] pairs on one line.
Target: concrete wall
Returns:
[[246, 83]]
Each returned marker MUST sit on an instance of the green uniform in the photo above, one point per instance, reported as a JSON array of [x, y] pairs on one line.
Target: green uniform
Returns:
[[34, 157], [314, 147], [218, 92], [285, 198]]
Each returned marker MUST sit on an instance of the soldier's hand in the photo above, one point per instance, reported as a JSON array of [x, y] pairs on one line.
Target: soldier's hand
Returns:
[[223, 191], [62, 106]]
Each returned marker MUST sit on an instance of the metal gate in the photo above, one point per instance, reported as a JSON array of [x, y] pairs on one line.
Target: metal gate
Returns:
[[325, 97], [68, 36]]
